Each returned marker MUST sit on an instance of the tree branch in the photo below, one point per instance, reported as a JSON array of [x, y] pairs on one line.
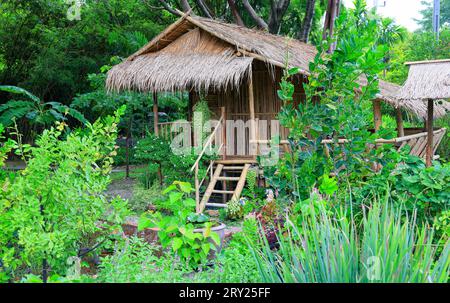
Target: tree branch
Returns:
[[169, 8], [234, 11], [205, 9], [186, 7], [259, 21]]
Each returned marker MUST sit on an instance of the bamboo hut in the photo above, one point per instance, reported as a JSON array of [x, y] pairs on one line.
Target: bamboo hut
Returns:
[[237, 70], [427, 86]]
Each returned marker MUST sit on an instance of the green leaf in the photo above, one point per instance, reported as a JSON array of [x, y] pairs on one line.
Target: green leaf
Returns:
[[176, 244], [175, 197], [169, 189], [206, 248], [329, 185], [185, 187], [215, 237], [19, 91], [145, 222]]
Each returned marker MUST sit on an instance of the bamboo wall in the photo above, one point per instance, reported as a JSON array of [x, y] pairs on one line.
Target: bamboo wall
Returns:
[[267, 104]]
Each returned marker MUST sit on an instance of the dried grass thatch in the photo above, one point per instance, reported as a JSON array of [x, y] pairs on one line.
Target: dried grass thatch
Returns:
[[427, 80], [196, 60]]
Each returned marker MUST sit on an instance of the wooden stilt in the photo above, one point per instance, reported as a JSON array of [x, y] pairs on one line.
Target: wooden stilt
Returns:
[[399, 118], [377, 119], [429, 154], [155, 114]]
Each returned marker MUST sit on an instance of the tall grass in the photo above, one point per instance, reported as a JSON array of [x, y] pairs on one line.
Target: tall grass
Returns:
[[385, 247]]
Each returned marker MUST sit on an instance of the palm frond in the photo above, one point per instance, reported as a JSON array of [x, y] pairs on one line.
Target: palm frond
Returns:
[[19, 91]]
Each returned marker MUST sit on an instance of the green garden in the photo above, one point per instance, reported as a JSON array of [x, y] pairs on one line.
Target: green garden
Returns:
[[94, 192]]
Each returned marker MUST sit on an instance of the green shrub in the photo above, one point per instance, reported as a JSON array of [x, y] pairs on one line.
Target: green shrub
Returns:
[[236, 263], [50, 210], [176, 231], [412, 185]]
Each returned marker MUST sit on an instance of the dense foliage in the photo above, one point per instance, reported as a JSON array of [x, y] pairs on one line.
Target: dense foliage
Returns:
[[50, 210], [329, 212]]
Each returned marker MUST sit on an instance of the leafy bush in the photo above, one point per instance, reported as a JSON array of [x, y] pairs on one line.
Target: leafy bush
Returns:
[[411, 184], [236, 263], [50, 209], [387, 248], [164, 165], [34, 110], [178, 230]]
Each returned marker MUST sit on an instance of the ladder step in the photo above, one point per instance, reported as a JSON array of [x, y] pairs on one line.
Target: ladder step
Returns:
[[220, 205], [233, 167], [228, 178], [223, 191]]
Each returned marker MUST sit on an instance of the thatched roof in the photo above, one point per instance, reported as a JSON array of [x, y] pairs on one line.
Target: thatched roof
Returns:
[[195, 60], [201, 54], [427, 80], [196, 52]]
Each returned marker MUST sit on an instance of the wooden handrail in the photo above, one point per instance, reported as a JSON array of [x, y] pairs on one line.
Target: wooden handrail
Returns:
[[342, 141], [195, 167], [207, 143]]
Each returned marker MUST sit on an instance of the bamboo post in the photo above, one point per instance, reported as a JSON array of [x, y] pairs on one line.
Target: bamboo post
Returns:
[[399, 118], [377, 118], [223, 114], [251, 101], [197, 190], [155, 113], [429, 155]]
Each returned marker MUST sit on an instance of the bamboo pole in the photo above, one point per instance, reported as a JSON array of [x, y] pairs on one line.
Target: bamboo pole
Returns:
[[429, 154], [155, 114], [223, 115], [197, 190], [251, 101], [377, 118], [399, 118]]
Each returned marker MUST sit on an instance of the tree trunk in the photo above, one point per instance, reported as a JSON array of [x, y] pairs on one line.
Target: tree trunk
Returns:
[[234, 11], [277, 11], [305, 30], [330, 18]]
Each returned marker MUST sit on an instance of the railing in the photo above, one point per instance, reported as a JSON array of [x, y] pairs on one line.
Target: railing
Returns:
[[208, 145], [165, 129], [417, 142]]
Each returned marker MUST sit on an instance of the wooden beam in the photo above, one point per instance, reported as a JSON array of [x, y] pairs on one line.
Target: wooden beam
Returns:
[[251, 104], [377, 118], [427, 61], [399, 118], [241, 182], [155, 113], [429, 155]]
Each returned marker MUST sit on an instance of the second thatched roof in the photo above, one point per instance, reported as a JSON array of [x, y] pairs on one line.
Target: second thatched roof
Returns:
[[427, 80]]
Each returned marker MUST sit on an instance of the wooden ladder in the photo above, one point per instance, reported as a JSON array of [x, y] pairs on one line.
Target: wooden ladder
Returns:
[[218, 176]]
